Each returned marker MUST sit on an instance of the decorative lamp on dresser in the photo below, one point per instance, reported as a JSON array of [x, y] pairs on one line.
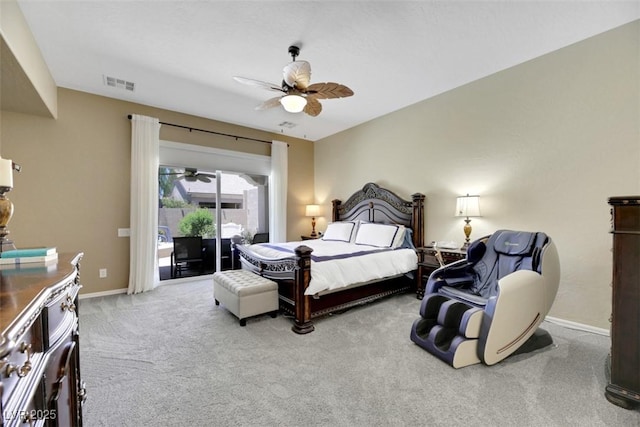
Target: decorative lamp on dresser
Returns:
[[40, 381], [624, 385]]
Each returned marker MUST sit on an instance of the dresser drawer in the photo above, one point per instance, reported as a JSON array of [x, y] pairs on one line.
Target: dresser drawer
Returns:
[[16, 368], [33, 412], [451, 255], [61, 314]]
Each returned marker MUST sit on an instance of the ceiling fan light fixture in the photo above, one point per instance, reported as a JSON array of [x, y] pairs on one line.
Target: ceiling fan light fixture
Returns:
[[299, 94], [293, 103]]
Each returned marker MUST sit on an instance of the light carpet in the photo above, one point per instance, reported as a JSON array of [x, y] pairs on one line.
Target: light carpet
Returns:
[[171, 357]]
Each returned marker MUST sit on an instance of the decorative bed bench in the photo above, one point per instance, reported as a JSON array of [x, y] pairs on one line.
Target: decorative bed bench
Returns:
[[245, 294]]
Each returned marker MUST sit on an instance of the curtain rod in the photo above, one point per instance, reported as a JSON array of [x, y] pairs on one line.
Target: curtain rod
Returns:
[[211, 131]]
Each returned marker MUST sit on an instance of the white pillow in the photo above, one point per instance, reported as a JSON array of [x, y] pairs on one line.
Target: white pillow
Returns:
[[399, 240], [340, 231], [380, 235]]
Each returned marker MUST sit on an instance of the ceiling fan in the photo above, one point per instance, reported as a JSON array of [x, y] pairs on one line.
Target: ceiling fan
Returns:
[[299, 95], [190, 175]]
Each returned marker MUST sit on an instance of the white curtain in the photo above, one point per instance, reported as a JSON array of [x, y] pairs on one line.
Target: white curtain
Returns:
[[278, 192], [143, 259]]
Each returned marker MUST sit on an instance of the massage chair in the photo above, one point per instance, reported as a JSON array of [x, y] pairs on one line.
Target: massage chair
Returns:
[[489, 305]]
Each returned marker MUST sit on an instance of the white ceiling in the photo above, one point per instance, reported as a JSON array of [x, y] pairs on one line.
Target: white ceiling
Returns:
[[182, 55]]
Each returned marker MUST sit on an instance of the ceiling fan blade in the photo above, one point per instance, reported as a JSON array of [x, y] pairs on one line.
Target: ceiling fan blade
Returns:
[[258, 83], [313, 107], [269, 103], [203, 177], [297, 74], [329, 90]]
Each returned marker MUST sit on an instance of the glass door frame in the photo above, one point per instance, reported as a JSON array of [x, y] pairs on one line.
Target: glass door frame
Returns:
[[182, 155]]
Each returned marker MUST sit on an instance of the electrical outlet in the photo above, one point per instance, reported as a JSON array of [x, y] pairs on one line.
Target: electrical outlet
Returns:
[[124, 232], [103, 273]]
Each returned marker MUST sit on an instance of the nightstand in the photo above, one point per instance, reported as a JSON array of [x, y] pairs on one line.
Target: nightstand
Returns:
[[428, 263]]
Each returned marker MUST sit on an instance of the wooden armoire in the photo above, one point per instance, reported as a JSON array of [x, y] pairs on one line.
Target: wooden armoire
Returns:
[[624, 385]]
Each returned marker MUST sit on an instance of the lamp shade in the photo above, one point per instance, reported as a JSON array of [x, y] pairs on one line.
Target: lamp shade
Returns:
[[293, 103], [6, 173], [312, 210], [468, 206]]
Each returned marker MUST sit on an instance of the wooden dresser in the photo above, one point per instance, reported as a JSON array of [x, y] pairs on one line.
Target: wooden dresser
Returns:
[[40, 381], [624, 386]]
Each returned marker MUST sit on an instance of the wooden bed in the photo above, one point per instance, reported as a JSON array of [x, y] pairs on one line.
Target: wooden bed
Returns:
[[373, 204]]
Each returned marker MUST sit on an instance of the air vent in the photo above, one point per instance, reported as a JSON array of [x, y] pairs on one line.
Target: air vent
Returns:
[[119, 83], [287, 125]]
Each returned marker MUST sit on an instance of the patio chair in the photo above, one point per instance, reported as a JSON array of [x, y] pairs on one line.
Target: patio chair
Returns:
[[186, 252]]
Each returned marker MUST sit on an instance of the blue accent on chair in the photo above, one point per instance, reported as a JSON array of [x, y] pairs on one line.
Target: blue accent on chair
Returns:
[[462, 300]]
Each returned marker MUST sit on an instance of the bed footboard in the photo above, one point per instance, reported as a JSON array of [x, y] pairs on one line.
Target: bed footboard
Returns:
[[293, 276]]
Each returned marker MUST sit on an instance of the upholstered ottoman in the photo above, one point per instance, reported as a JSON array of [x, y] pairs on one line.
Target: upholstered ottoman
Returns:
[[245, 294]]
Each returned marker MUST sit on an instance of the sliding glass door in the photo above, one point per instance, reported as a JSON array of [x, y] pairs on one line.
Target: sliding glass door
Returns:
[[214, 205]]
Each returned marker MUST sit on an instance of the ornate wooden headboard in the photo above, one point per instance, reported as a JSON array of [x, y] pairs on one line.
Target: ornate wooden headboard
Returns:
[[376, 204]]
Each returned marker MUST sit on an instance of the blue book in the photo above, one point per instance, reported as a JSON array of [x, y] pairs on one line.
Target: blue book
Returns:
[[32, 260], [28, 252]]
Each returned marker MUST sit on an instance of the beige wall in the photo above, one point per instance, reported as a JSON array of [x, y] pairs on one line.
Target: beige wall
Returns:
[[544, 144], [73, 192], [26, 84]]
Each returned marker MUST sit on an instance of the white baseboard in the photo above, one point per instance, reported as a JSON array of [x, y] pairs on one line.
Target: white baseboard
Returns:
[[186, 279], [163, 282], [577, 326], [103, 293]]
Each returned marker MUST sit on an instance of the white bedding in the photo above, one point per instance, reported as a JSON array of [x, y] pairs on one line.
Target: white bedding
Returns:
[[338, 264]]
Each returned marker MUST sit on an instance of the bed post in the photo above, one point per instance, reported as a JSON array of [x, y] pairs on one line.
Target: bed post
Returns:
[[417, 220], [335, 216], [302, 324]]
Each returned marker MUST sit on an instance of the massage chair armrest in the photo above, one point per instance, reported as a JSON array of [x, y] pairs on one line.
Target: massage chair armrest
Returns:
[[455, 269], [513, 315]]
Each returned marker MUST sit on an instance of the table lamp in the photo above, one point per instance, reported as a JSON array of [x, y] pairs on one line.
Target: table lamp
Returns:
[[467, 206], [6, 206], [313, 211]]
